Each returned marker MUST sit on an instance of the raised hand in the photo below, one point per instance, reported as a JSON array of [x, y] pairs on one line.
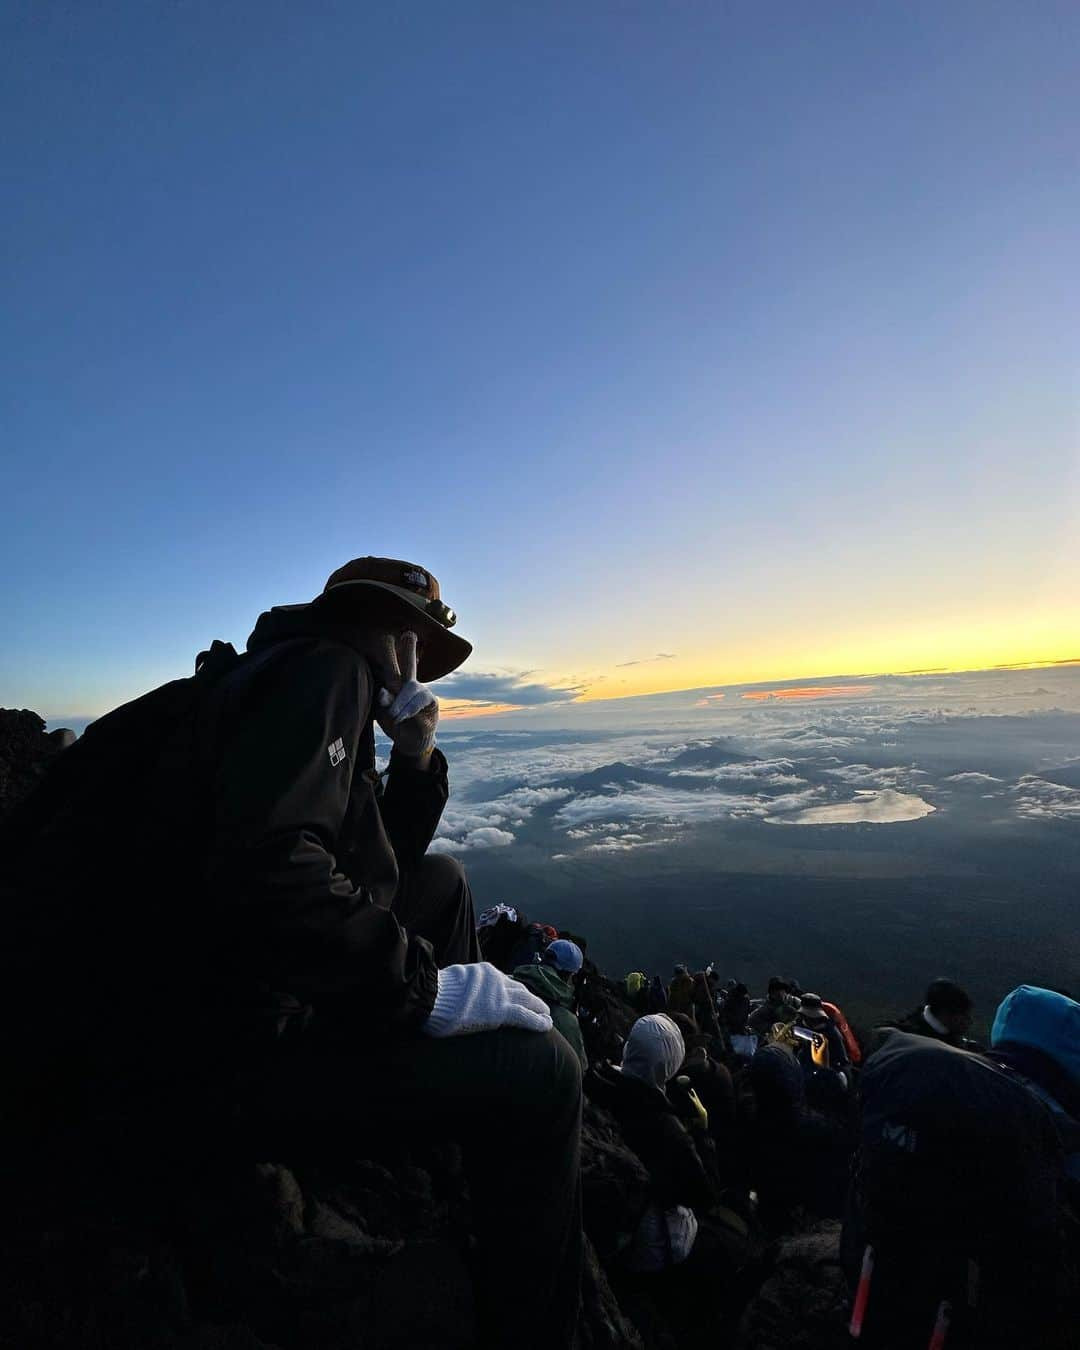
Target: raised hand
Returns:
[[409, 712]]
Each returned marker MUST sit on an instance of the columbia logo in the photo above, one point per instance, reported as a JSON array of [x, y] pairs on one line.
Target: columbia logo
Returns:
[[336, 751]]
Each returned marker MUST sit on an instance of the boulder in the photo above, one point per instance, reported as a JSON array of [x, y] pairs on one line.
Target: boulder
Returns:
[[25, 749], [366, 1258], [803, 1305], [367, 1255], [603, 1322]]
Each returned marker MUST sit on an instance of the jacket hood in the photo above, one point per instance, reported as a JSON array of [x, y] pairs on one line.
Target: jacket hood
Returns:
[[545, 984], [654, 1050], [284, 623], [1041, 1020]]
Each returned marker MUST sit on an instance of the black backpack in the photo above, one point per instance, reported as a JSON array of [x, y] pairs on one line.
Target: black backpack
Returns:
[[956, 1193], [95, 863], [134, 772]]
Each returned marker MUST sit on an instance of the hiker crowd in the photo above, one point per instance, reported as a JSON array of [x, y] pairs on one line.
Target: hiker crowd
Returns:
[[955, 1166], [228, 939]]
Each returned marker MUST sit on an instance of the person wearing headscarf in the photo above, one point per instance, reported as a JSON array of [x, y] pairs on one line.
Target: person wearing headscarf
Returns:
[[636, 1094]]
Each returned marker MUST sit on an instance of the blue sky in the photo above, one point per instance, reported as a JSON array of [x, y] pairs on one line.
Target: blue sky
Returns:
[[741, 333]]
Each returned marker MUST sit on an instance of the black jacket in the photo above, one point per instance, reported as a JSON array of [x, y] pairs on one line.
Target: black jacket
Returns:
[[763, 1018], [915, 1024], [947, 1135], [306, 846], [714, 1086], [655, 1133], [179, 925]]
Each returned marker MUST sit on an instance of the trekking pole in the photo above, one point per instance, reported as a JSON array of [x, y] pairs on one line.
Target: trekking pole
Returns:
[[862, 1295], [941, 1326]]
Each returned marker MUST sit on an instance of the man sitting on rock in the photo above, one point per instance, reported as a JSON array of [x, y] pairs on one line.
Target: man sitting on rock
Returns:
[[314, 978]]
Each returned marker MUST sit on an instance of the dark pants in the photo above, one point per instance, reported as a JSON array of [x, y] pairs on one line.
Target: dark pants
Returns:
[[434, 900], [513, 1100]]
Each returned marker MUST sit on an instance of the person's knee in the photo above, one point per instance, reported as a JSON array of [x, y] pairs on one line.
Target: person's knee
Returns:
[[569, 1067], [564, 1080], [541, 1074], [440, 874]]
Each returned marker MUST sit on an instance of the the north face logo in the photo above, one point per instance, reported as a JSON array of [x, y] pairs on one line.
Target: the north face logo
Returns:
[[336, 751]]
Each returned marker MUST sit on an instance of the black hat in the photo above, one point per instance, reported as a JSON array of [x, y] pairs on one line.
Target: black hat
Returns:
[[811, 1009], [946, 996]]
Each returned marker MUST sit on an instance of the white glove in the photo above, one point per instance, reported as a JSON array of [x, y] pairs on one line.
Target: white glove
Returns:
[[411, 716], [480, 998]]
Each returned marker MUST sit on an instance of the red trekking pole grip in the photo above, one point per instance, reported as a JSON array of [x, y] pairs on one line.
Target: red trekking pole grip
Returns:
[[862, 1295], [941, 1326]]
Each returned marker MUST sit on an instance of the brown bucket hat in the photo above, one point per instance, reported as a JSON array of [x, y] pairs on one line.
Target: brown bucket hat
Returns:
[[401, 594]]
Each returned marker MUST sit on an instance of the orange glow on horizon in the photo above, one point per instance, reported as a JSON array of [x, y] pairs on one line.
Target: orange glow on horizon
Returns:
[[695, 677], [812, 691], [736, 668], [453, 708]]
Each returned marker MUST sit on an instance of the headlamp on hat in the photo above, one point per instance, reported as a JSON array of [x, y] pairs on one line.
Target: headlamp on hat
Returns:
[[395, 593]]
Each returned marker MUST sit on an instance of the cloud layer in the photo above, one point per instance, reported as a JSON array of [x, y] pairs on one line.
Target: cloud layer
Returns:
[[490, 824], [880, 761], [646, 660], [513, 690], [1036, 799]]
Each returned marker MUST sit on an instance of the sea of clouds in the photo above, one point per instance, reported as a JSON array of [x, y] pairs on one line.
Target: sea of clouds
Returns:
[[895, 753]]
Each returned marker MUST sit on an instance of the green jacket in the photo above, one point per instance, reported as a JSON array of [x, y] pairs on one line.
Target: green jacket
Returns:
[[549, 985]]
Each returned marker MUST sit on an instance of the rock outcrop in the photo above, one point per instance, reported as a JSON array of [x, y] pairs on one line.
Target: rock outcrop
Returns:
[[371, 1256], [803, 1305], [25, 750]]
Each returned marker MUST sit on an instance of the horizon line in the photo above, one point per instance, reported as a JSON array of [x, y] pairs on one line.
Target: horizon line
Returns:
[[807, 681]]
